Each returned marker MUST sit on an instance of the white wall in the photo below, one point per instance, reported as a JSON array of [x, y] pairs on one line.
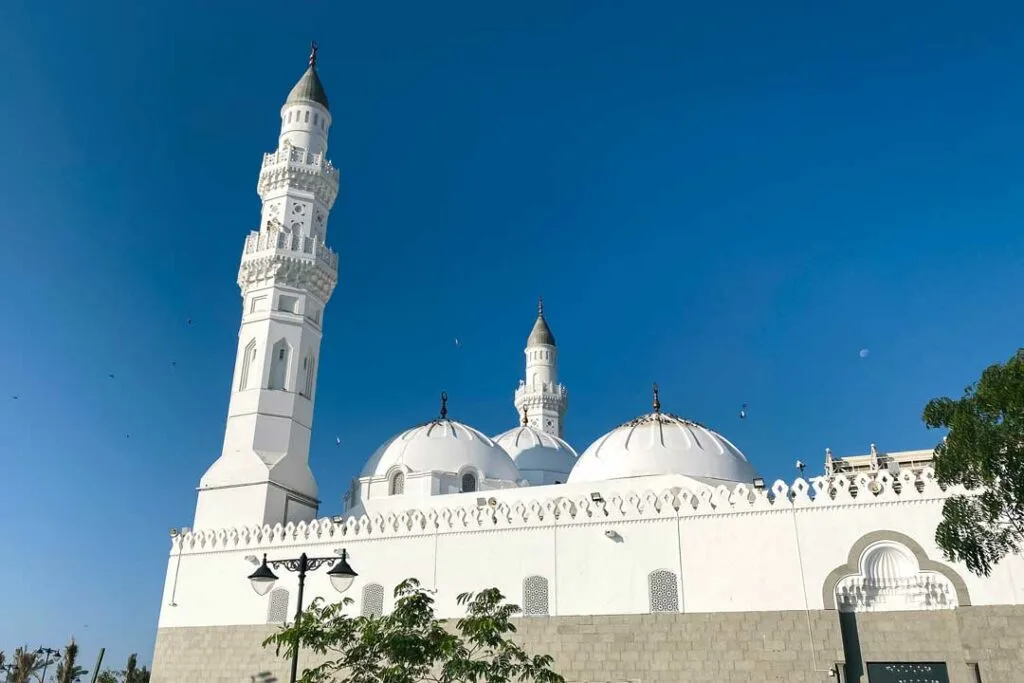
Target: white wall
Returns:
[[734, 550]]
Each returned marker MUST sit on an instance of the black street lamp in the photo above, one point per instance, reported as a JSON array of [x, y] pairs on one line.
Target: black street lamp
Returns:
[[47, 653], [341, 574]]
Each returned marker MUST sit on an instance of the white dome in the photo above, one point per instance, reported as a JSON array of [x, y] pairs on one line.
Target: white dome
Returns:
[[887, 563], [533, 449], [444, 446], [660, 443]]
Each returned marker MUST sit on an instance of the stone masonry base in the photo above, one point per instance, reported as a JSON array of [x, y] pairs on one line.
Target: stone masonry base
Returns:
[[720, 647]]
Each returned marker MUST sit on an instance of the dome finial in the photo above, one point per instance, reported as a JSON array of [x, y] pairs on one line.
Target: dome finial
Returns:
[[657, 401], [313, 49], [444, 405], [540, 306], [526, 421]]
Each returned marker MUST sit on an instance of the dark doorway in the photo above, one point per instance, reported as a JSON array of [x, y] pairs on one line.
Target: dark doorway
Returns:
[[907, 672]]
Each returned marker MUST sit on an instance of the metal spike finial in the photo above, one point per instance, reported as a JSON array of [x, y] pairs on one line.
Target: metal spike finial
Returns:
[[526, 420], [540, 306], [313, 49], [444, 405], [657, 400]]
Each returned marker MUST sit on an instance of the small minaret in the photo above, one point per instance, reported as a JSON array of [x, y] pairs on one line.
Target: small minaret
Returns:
[[540, 396], [286, 277]]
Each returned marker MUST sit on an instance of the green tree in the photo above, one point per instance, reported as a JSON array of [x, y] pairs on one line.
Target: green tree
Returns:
[[129, 671], [984, 453], [68, 670], [141, 676], [26, 666], [410, 645], [108, 676]]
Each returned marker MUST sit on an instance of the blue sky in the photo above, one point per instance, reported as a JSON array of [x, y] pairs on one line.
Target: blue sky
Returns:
[[729, 199]]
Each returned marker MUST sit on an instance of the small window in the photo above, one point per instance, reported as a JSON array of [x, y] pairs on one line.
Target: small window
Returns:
[[535, 596], [468, 482], [306, 120], [373, 600], [288, 304], [277, 610], [316, 119], [280, 354], [663, 591], [397, 487]]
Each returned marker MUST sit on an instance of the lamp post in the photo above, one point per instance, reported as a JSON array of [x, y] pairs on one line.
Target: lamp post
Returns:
[[341, 575], [47, 653]]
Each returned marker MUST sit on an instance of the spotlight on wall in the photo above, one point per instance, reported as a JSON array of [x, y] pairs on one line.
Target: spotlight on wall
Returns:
[[596, 497], [481, 502], [253, 560], [174, 533], [337, 519], [613, 535], [759, 483]]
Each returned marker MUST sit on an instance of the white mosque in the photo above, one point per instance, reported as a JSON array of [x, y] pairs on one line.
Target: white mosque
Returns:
[[658, 554]]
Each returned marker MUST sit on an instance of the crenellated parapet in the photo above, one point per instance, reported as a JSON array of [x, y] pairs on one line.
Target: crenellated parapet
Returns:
[[815, 494], [290, 259], [296, 169]]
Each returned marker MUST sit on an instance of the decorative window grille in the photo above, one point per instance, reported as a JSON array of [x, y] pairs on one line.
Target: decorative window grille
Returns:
[[535, 596], [397, 484], [373, 600], [468, 483], [277, 610], [663, 590]]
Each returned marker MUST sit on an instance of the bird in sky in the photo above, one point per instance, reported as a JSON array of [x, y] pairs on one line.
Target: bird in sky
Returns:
[[743, 411], [457, 342], [337, 441], [111, 375], [189, 321], [15, 397]]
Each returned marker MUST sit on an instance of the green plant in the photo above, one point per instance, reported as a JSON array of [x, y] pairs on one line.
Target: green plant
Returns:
[[410, 645], [984, 453], [68, 670]]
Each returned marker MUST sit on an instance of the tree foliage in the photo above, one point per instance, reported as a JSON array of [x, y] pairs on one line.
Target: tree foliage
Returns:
[[68, 670], [108, 676], [984, 453], [410, 645], [26, 665]]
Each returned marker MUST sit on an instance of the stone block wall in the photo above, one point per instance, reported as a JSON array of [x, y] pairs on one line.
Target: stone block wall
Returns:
[[723, 647]]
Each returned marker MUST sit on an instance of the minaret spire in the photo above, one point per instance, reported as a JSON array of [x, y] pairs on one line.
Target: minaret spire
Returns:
[[540, 392], [313, 49]]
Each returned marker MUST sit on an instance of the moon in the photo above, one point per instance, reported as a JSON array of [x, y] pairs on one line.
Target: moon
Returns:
[[864, 353]]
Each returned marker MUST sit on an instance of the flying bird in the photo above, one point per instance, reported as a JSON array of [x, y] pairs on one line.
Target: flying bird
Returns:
[[863, 353], [111, 375], [457, 342], [743, 411], [15, 397], [337, 441], [189, 321], [174, 363]]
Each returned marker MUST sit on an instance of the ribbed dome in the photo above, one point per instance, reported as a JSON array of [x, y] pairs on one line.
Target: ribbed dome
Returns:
[[888, 563], [541, 333], [442, 445], [660, 443], [309, 89], [533, 449]]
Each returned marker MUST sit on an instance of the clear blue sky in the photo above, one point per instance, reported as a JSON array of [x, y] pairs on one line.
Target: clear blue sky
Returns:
[[729, 199]]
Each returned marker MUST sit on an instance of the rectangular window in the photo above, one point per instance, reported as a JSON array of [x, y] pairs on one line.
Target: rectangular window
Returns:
[[907, 672], [288, 304]]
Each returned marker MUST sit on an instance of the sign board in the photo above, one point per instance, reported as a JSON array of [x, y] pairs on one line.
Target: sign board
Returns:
[[907, 672]]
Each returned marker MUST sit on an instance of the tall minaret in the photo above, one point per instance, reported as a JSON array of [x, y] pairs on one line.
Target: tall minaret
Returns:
[[540, 395], [286, 277]]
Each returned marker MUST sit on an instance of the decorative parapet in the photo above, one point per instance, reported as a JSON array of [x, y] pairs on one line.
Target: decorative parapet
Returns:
[[818, 493], [286, 258], [553, 394], [295, 168]]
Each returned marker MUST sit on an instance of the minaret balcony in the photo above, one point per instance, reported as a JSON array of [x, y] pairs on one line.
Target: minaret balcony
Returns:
[[276, 242], [546, 391], [295, 168]]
